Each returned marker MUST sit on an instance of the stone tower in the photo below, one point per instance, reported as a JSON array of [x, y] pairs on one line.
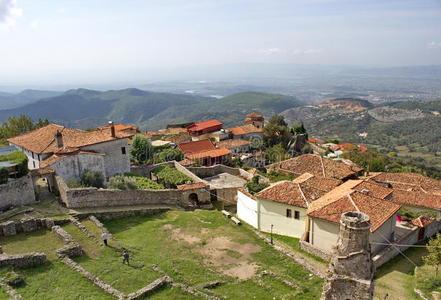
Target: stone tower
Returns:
[[351, 270], [255, 119]]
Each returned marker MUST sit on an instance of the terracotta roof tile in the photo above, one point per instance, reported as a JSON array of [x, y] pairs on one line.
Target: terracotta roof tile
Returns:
[[42, 140], [379, 211], [191, 186], [418, 199], [244, 129], [422, 221], [316, 165], [232, 143], [409, 181], [203, 125], [196, 146], [167, 131], [208, 153], [121, 127], [254, 115], [372, 189]]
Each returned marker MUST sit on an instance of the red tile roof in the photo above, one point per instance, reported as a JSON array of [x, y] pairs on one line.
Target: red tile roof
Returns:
[[208, 153], [254, 115], [409, 182], [191, 186], [204, 125], [417, 199], [299, 193], [121, 127], [42, 140], [232, 143], [245, 129], [422, 221], [373, 189], [316, 165], [196, 146], [379, 211]]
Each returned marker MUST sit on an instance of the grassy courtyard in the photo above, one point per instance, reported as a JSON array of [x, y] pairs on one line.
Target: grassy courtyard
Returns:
[[194, 248]]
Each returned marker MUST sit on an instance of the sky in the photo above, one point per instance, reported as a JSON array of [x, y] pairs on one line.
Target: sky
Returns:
[[108, 40]]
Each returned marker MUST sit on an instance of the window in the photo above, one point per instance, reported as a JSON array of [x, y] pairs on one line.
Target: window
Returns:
[[288, 213], [123, 150], [34, 164], [32, 155], [297, 215]]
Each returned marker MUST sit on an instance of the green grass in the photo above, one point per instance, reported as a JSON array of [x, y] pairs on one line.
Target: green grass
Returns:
[[149, 243], [396, 277], [294, 243]]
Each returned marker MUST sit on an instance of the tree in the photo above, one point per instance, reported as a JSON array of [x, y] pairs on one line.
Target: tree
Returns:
[[121, 182], [168, 155], [19, 125], [277, 120], [434, 256], [141, 150], [276, 153], [255, 185], [92, 178]]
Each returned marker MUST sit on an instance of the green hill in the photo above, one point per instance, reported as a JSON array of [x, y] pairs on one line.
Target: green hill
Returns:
[[83, 108]]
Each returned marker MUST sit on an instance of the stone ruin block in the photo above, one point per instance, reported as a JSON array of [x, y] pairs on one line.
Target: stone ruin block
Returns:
[[29, 225], [8, 228], [47, 223]]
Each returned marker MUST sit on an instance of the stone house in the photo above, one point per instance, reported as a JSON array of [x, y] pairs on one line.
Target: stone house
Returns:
[[255, 119], [281, 208], [70, 151], [247, 132], [212, 129]]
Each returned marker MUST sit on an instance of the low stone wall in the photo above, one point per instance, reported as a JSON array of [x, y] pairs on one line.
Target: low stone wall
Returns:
[[150, 288], [10, 291], [94, 279], [314, 250], [23, 260], [71, 247], [28, 225], [203, 172], [17, 192], [187, 172], [391, 251]]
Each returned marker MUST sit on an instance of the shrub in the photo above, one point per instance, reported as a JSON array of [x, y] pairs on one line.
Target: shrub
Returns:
[[92, 178], [143, 183], [141, 150], [121, 182], [168, 155], [255, 186], [170, 176], [4, 176]]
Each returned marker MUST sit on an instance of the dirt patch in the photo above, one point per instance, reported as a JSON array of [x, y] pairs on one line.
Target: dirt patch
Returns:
[[177, 235], [217, 254]]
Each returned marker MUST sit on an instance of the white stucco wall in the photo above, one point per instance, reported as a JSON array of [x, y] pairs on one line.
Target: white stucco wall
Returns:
[[33, 158], [72, 167], [114, 161], [323, 234], [383, 234], [274, 213], [247, 209]]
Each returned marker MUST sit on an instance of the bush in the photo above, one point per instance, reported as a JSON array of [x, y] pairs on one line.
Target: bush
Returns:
[[255, 186], [143, 183], [275, 176], [168, 155], [121, 182], [92, 178], [141, 150], [4, 176], [170, 176]]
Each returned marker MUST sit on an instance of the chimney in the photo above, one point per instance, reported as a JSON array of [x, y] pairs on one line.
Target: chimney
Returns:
[[112, 129], [59, 139]]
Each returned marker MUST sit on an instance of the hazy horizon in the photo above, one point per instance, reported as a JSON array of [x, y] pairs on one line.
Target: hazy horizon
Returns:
[[50, 43]]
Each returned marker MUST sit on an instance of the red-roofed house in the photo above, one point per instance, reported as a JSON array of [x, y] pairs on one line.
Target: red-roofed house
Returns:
[[205, 153], [207, 129]]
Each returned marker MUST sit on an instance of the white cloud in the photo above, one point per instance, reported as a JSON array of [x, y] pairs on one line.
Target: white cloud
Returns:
[[271, 51], [306, 51], [9, 12], [434, 44], [34, 25]]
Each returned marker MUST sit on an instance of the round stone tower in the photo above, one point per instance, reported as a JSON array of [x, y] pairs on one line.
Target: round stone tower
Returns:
[[255, 119], [351, 270]]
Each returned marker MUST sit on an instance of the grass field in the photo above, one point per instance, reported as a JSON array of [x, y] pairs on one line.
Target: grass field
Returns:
[[194, 248]]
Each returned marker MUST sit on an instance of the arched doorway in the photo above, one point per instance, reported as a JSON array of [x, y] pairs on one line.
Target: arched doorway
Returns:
[[193, 198]]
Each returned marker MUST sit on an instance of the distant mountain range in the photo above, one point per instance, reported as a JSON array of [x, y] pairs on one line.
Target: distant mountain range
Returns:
[[9, 100], [83, 108]]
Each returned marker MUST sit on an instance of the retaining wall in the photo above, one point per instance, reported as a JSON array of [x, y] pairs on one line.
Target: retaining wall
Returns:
[[23, 260]]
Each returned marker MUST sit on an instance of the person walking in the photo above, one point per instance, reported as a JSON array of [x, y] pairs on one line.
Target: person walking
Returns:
[[126, 257], [104, 237]]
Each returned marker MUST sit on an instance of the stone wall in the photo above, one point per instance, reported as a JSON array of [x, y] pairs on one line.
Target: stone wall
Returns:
[[115, 162], [23, 260], [391, 251], [72, 167], [17, 192], [314, 250], [203, 172], [9, 228], [93, 197], [71, 247]]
